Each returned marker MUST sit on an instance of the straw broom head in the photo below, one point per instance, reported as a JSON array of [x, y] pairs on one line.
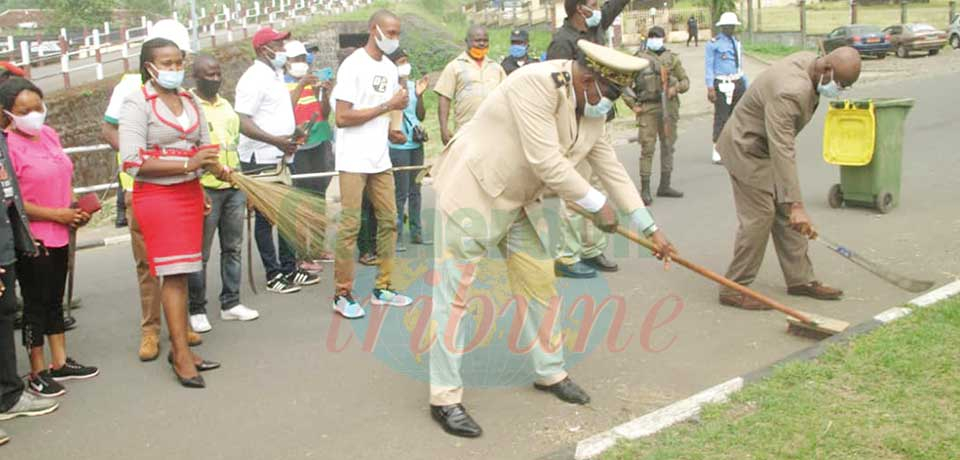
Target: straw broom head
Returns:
[[300, 216]]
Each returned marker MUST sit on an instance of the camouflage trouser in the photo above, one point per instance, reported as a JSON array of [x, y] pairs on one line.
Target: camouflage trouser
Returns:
[[651, 126]]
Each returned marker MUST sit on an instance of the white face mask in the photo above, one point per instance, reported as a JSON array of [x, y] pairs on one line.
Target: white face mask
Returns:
[[387, 45], [404, 70], [298, 69], [31, 123]]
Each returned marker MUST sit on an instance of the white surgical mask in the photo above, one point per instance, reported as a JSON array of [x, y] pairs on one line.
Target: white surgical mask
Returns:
[[598, 110], [404, 70], [31, 123], [655, 43], [298, 69], [387, 45]]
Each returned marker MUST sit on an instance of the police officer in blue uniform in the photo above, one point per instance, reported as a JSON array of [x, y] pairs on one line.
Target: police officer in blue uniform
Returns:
[[724, 74]]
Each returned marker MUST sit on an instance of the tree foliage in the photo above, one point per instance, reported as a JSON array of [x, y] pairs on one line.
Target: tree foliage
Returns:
[[79, 13], [718, 7]]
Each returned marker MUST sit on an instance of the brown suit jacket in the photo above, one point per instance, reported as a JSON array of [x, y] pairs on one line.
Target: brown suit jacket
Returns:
[[758, 143], [526, 138]]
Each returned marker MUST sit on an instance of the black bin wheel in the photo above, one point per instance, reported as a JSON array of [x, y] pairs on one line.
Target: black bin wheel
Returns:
[[835, 197], [883, 202]]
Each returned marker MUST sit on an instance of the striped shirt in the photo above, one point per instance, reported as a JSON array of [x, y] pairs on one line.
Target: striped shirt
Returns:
[[148, 127]]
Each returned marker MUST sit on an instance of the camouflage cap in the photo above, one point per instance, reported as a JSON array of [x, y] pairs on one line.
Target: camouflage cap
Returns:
[[612, 65]]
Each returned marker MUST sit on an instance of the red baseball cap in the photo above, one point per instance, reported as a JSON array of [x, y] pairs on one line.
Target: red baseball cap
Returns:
[[10, 67], [267, 35]]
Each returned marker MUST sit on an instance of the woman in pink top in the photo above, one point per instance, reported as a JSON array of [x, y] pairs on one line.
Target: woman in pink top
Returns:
[[45, 174]]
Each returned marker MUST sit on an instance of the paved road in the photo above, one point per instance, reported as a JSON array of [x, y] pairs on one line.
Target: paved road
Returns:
[[283, 394]]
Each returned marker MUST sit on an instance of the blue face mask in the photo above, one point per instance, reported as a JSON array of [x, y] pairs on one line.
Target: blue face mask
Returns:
[[169, 79], [655, 44], [278, 60], [594, 19], [518, 51], [598, 110], [830, 89]]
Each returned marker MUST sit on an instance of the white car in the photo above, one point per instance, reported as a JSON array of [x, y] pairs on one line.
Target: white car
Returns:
[[954, 32]]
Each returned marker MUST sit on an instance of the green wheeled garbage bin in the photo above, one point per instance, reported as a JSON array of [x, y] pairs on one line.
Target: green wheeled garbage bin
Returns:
[[865, 138]]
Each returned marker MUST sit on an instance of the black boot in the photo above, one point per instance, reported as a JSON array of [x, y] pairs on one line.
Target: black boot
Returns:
[[645, 191], [665, 190]]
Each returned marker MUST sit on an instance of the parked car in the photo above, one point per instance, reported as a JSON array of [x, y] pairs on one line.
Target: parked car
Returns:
[[868, 40], [908, 38], [954, 32]]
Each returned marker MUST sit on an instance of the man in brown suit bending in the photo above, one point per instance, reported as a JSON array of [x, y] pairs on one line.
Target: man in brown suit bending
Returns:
[[758, 146], [545, 120]]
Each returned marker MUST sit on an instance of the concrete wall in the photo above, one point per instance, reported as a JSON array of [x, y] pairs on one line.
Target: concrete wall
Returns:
[[788, 39]]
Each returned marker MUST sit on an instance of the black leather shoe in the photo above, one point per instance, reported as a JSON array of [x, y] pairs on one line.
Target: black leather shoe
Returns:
[[192, 382], [601, 263], [578, 270], [455, 420], [566, 390], [420, 240], [202, 367]]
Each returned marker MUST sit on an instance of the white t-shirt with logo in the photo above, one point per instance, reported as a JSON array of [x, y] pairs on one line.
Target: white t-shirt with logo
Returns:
[[365, 83]]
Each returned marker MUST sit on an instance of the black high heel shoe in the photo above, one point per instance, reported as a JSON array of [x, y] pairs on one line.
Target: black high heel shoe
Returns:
[[192, 382], [202, 367]]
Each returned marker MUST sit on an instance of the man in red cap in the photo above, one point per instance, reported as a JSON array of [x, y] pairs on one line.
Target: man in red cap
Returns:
[[266, 138]]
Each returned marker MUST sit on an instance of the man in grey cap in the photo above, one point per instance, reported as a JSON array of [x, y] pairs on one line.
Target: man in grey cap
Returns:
[[549, 118], [519, 52]]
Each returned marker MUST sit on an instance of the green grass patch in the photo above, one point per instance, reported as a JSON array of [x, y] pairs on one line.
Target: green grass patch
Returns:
[[891, 394], [769, 51]]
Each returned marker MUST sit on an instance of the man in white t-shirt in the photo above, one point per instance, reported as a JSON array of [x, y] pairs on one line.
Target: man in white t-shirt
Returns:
[[367, 91], [266, 138]]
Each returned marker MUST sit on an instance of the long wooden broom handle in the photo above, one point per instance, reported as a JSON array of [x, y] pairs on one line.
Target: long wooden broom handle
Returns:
[[702, 271]]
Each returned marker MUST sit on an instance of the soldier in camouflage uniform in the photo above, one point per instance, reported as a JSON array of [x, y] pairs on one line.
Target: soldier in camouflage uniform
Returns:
[[647, 105]]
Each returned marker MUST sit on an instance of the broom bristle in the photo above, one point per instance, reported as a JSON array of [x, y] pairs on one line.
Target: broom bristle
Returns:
[[300, 216]]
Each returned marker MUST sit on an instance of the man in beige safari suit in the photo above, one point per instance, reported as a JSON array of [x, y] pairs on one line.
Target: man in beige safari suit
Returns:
[[528, 136], [758, 146], [466, 81]]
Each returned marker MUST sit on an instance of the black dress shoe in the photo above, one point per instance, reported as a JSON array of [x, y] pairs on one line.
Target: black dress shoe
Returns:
[[578, 270], [601, 263], [420, 240], [202, 367], [566, 390], [455, 420], [191, 382]]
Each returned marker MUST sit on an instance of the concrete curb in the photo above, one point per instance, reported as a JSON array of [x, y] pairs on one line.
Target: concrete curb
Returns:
[[690, 407], [107, 241]]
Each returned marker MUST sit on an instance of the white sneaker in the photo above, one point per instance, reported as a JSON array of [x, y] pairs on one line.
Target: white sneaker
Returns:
[[239, 313], [200, 323], [716, 156]]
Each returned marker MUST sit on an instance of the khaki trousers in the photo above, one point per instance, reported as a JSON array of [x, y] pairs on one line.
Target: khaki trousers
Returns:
[[651, 127], [380, 188], [531, 278], [149, 285], [760, 217]]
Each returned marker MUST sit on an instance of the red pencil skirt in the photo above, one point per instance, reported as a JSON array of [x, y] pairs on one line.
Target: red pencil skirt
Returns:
[[171, 219]]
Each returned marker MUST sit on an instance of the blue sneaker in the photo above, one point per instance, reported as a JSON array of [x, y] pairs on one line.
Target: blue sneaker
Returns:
[[390, 297], [347, 307]]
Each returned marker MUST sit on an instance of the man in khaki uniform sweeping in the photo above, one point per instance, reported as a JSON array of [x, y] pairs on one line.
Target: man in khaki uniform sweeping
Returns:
[[651, 119], [546, 118], [758, 146]]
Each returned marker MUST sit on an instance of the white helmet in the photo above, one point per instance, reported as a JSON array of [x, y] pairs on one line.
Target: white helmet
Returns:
[[173, 31], [728, 19]]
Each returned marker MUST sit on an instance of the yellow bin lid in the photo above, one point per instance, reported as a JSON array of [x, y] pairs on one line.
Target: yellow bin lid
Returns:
[[849, 134]]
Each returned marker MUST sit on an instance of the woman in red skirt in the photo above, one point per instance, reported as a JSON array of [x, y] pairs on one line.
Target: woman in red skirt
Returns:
[[163, 145]]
